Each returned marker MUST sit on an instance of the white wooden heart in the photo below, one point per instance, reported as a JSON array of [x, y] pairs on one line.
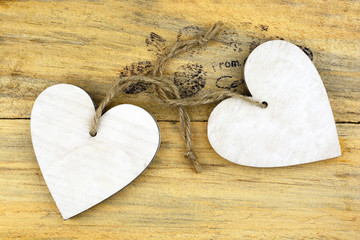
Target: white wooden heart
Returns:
[[296, 127], [79, 170]]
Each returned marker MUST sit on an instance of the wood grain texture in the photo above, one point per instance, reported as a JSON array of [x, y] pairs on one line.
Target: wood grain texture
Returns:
[[91, 43], [226, 201]]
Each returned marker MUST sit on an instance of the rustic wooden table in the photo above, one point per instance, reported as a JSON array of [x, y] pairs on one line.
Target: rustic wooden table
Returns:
[[91, 43]]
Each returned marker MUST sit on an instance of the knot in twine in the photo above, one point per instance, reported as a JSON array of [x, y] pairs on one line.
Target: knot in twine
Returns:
[[190, 155], [168, 94]]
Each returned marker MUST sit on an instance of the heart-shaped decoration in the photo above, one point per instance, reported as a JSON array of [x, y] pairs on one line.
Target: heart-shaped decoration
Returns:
[[296, 127], [79, 170]]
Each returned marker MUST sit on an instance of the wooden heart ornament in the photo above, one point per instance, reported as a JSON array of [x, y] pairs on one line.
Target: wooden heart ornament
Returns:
[[79, 170], [296, 127]]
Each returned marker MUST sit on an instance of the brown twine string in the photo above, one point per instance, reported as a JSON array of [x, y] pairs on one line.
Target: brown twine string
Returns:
[[168, 94], [178, 48]]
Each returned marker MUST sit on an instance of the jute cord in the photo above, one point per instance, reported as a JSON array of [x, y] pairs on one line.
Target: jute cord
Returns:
[[168, 94]]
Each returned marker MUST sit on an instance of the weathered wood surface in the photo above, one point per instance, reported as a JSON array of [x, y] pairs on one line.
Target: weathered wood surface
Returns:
[[227, 201], [91, 43]]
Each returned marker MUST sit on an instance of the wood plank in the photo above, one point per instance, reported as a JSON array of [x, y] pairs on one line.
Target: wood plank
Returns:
[[90, 44], [318, 200]]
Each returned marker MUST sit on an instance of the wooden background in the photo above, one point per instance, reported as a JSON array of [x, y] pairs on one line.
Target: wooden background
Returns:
[[91, 43]]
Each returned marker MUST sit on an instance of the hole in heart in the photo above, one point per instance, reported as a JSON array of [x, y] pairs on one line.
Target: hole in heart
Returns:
[[93, 135], [265, 104]]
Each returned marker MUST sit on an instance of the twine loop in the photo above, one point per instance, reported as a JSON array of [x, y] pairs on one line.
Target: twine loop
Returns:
[[168, 94]]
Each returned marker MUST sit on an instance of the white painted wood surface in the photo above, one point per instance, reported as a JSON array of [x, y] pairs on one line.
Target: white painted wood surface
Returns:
[[297, 126], [81, 170]]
